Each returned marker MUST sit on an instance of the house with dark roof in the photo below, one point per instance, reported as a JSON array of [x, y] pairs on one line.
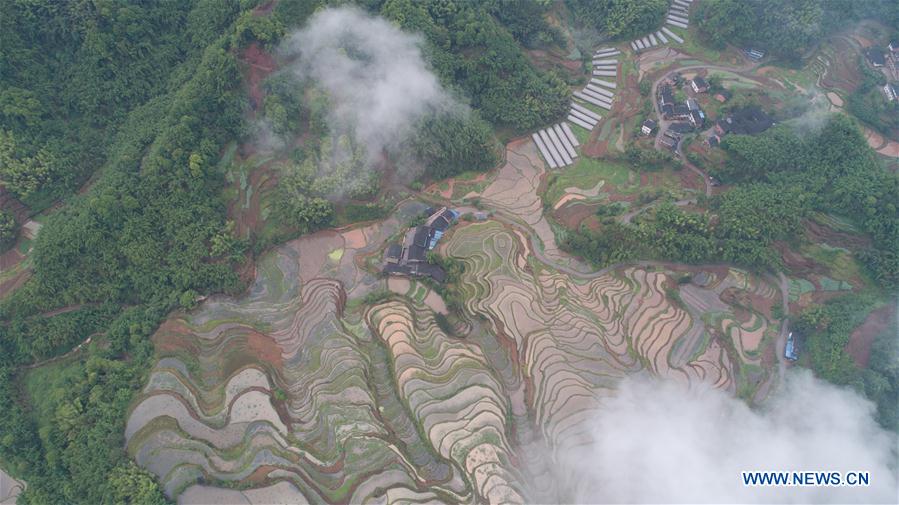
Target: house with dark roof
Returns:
[[749, 120], [699, 85], [648, 126], [875, 56], [666, 95], [678, 111], [894, 46], [714, 140], [411, 258], [696, 118], [680, 127], [393, 254], [692, 104]]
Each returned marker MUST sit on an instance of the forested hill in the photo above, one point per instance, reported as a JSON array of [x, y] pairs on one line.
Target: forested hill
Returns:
[[132, 103]]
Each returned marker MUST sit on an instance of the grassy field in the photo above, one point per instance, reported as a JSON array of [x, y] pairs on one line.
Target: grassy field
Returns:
[[585, 174]]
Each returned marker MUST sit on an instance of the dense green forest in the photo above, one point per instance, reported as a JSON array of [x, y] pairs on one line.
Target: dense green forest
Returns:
[[825, 331], [139, 99], [779, 178], [620, 18], [785, 28]]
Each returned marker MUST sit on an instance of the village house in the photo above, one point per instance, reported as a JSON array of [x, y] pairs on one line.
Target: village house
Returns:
[[749, 120], [875, 56], [699, 85], [894, 46], [648, 126], [411, 258]]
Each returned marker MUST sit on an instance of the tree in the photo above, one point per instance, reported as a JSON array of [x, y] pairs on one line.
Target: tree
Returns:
[[129, 484], [22, 175], [8, 230]]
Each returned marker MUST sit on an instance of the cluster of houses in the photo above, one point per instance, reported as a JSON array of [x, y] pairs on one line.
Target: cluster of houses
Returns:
[[689, 110], [886, 60], [411, 257], [556, 144], [678, 15]]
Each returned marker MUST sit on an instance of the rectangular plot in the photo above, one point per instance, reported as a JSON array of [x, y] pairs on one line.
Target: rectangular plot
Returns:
[[542, 148], [552, 149], [661, 37], [585, 111], [676, 23], [580, 123], [640, 44], [597, 96], [608, 84], [634, 46], [590, 99], [646, 43], [567, 155], [605, 73], [610, 61], [603, 92], [603, 53], [679, 18], [583, 117], [652, 38], [672, 35], [570, 135]]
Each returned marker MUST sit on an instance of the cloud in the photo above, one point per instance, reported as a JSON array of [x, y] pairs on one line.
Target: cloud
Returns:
[[662, 443], [375, 75]]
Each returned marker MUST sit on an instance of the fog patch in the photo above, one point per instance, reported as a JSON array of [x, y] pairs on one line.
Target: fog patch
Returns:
[[658, 442], [375, 77]]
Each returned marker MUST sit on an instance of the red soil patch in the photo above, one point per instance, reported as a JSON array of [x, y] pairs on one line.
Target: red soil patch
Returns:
[[820, 233], [265, 348], [842, 72], [596, 149], [170, 338], [258, 65], [8, 261], [572, 214], [878, 321], [264, 9]]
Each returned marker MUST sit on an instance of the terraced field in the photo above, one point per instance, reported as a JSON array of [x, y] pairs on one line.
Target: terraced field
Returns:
[[327, 384]]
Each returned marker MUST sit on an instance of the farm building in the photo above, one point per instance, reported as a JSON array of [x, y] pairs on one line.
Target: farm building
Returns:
[[678, 111], [875, 56], [755, 54], [666, 96], [696, 118], [680, 127], [393, 254], [746, 121], [648, 126], [699, 85], [411, 257], [889, 90]]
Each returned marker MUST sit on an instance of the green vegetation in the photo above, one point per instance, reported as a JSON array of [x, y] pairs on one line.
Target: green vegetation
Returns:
[[621, 18], [833, 171], [868, 104], [470, 48], [8, 231], [739, 228], [825, 331], [785, 28]]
